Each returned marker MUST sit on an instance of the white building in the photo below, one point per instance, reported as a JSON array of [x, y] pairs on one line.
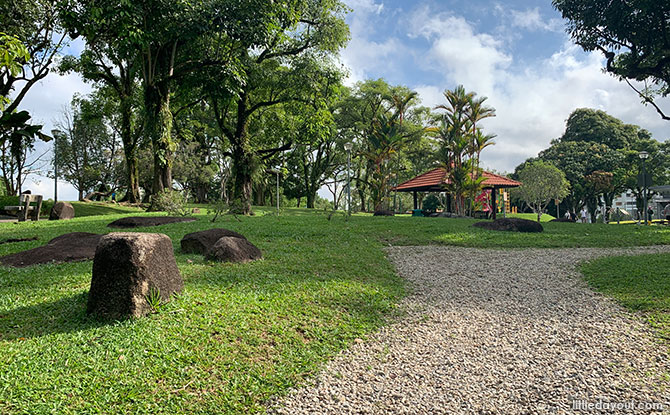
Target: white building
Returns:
[[626, 201]]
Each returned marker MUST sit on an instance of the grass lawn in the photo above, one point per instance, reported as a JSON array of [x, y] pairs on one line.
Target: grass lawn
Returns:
[[639, 283], [530, 216], [239, 334], [82, 209]]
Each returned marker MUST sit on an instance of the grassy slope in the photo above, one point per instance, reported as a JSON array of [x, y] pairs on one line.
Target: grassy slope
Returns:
[[240, 333], [639, 283]]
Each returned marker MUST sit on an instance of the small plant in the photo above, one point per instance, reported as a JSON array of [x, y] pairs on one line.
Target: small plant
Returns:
[[154, 299], [170, 201], [218, 208]]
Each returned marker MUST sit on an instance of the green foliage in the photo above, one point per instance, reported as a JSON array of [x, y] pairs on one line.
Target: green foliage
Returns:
[[541, 182], [631, 34], [461, 144], [153, 298], [170, 201], [13, 55], [596, 126], [432, 203], [218, 209]]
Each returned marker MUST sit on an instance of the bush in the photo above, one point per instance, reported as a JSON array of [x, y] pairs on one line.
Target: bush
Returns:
[[170, 201], [431, 203]]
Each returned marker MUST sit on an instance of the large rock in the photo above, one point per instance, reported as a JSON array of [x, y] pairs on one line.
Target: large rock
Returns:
[[129, 268], [70, 247], [201, 242], [141, 221], [511, 224], [231, 249], [62, 210]]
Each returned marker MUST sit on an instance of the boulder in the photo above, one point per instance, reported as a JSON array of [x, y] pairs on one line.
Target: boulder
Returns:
[[70, 247], [128, 269], [61, 210], [384, 213], [231, 249], [511, 224], [201, 242], [141, 221]]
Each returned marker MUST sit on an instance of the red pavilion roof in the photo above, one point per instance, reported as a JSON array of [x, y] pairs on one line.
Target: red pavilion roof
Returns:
[[434, 180]]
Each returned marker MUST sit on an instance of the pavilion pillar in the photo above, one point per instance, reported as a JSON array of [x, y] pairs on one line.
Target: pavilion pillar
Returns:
[[494, 205], [416, 200]]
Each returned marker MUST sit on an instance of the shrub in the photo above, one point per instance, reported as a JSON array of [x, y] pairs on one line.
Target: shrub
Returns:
[[431, 203], [170, 201]]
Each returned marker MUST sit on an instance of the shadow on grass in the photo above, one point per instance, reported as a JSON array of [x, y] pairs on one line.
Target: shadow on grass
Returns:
[[65, 315]]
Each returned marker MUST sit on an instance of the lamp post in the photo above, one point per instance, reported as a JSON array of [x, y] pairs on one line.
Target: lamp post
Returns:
[[644, 156], [55, 133], [348, 146]]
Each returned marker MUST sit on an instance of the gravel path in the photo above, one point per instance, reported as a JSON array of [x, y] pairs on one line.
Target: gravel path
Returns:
[[495, 332]]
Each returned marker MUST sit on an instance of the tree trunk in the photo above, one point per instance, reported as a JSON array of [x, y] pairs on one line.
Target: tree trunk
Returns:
[[242, 194], [81, 194], [130, 152], [311, 197], [243, 162], [158, 128]]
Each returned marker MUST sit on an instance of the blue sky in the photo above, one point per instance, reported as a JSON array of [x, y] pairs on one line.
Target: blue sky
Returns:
[[514, 52]]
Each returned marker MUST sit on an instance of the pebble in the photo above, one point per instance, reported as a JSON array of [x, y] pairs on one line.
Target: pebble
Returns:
[[488, 331]]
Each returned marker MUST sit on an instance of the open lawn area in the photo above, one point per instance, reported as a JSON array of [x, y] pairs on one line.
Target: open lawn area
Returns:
[[239, 334], [639, 283]]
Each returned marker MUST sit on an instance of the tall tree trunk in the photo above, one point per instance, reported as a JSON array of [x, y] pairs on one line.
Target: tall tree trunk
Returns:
[[311, 197], [158, 127], [130, 152], [243, 162]]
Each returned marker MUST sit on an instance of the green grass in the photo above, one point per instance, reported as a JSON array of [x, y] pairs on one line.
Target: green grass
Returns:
[[530, 216], [639, 283], [239, 334], [82, 209]]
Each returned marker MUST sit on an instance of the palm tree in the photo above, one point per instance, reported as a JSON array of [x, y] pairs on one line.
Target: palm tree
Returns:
[[462, 142], [387, 137]]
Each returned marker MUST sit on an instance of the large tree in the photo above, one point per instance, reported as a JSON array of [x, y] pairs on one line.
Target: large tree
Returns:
[[542, 182], [171, 40], [86, 147], [287, 68], [634, 36]]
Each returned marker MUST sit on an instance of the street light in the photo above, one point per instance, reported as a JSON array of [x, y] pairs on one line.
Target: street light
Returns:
[[348, 146], [644, 156], [55, 133]]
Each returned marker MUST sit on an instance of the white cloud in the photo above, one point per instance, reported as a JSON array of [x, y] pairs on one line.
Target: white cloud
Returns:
[[363, 56], [532, 103], [475, 60], [531, 19]]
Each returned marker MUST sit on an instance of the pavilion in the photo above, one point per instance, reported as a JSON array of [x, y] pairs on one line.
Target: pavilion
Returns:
[[435, 180]]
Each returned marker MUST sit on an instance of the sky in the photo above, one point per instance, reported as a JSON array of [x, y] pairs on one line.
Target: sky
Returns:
[[516, 53]]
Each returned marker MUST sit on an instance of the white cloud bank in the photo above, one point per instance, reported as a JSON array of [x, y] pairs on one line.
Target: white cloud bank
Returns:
[[532, 102]]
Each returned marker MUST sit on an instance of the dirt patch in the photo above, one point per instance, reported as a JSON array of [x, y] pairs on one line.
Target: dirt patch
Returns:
[[511, 225], [141, 221], [14, 240], [71, 247]]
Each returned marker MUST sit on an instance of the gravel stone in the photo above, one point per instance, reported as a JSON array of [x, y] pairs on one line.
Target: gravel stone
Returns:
[[494, 332]]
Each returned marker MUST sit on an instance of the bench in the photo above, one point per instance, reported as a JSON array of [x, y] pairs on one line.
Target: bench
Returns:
[[25, 210]]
